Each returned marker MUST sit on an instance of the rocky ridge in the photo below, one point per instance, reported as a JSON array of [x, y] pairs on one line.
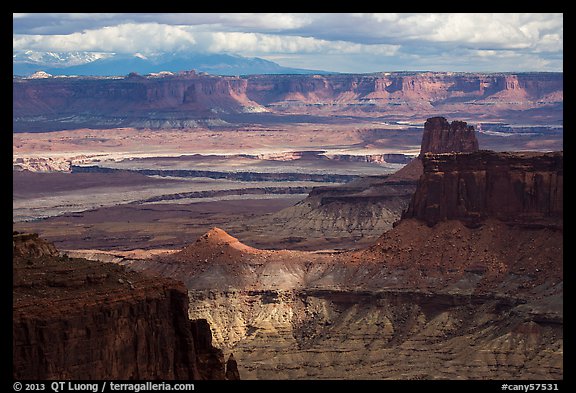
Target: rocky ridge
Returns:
[[80, 319]]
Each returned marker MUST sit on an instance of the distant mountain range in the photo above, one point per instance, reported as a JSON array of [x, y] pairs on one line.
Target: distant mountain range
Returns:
[[28, 62]]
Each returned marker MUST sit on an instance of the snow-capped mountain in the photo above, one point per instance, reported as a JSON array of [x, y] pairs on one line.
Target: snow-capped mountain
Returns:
[[65, 59], [28, 62]]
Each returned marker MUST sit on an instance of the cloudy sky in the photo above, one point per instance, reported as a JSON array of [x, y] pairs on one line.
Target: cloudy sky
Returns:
[[323, 41]]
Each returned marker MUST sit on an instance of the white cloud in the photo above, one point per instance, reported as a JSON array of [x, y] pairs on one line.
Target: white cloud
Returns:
[[386, 18], [128, 37], [256, 43], [268, 21], [497, 30], [421, 41], [152, 37]]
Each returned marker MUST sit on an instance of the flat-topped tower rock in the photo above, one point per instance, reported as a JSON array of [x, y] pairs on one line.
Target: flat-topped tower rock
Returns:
[[440, 136]]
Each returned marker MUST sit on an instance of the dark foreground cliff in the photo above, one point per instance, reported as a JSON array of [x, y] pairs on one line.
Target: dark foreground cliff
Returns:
[[79, 319]]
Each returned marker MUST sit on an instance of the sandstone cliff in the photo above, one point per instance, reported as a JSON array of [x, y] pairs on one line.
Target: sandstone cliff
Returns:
[[184, 101], [189, 92], [29, 245], [402, 88], [188, 100], [522, 188], [443, 302], [78, 319]]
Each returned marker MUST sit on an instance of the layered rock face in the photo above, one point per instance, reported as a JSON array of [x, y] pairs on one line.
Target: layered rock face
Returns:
[[172, 102], [523, 188], [337, 217], [370, 334], [400, 88], [187, 92], [78, 319], [29, 245], [188, 100]]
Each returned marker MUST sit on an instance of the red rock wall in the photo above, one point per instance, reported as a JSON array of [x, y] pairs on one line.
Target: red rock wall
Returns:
[[106, 341], [522, 188], [203, 92], [128, 95], [428, 86], [79, 319], [132, 337]]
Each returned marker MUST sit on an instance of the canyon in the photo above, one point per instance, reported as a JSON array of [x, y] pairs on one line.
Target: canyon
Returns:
[[311, 131], [311, 186], [356, 213], [455, 290], [300, 226], [451, 299]]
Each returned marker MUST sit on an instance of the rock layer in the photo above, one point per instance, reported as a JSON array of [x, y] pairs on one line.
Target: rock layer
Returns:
[[400, 89], [514, 187], [446, 302], [345, 334]]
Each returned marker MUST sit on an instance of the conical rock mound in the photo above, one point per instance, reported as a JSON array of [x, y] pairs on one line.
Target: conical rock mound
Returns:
[[220, 239], [217, 237], [214, 245]]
